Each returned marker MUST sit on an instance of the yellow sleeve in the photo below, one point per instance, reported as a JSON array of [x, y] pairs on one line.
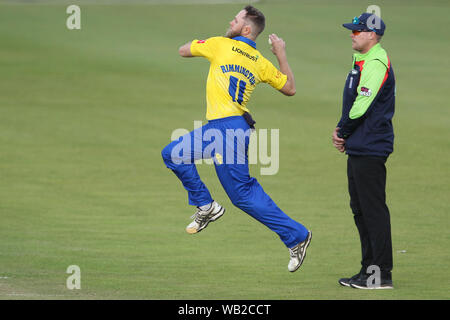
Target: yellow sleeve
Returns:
[[203, 48], [273, 76]]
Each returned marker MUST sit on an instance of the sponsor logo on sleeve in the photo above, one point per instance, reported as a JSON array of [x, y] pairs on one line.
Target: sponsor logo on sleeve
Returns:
[[365, 92], [201, 41]]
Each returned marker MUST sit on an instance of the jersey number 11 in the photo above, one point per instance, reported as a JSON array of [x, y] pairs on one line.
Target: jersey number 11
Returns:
[[232, 89]]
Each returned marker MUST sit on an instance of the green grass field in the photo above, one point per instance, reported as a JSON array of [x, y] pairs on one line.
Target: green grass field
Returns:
[[85, 113]]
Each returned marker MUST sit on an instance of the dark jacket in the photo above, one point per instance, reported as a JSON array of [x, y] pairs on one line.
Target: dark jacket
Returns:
[[369, 105]]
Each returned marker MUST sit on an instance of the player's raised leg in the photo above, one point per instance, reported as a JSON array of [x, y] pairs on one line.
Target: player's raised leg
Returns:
[[179, 156]]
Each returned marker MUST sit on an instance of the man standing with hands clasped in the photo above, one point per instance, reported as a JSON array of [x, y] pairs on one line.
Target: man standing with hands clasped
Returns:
[[366, 135], [236, 67]]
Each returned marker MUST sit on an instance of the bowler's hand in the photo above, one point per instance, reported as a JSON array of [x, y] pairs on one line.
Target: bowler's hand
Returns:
[[278, 45], [338, 143]]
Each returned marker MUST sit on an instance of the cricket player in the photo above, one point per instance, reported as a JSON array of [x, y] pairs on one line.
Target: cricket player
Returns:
[[236, 67], [366, 134]]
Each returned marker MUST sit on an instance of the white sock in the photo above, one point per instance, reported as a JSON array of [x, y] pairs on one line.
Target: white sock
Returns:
[[206, 207]]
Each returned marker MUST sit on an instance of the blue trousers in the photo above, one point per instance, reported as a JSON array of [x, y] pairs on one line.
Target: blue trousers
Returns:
[[226, 141]]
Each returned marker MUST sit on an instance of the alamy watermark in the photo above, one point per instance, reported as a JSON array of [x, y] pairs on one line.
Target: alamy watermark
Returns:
[[74, 280], [374, 20], [73, 22], [374, 280], [234, 146]]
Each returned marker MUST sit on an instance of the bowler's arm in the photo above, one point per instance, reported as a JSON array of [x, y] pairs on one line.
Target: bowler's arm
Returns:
[[185, 50], [279, 50]]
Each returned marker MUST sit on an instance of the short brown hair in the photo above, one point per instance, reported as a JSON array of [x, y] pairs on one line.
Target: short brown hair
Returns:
[[257, 18]]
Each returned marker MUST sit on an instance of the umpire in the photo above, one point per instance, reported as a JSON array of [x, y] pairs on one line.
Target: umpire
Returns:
[[366, 135]]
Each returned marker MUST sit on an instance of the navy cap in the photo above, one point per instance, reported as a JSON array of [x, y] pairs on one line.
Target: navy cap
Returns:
[[367, 21]]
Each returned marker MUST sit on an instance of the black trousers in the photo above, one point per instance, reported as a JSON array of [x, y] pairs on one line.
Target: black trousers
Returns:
[[367, 189]]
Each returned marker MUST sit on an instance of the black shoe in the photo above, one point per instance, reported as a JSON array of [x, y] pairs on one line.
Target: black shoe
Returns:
[[362, 283], [347, 281]]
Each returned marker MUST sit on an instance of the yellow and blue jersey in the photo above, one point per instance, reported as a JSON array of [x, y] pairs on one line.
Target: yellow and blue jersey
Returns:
[[236, 68]]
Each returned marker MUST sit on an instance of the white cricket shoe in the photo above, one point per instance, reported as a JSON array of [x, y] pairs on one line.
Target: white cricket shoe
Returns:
[[203, 217], [298, 253]]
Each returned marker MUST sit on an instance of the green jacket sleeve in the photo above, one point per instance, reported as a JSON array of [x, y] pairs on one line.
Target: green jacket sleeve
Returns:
[[372, 76]]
